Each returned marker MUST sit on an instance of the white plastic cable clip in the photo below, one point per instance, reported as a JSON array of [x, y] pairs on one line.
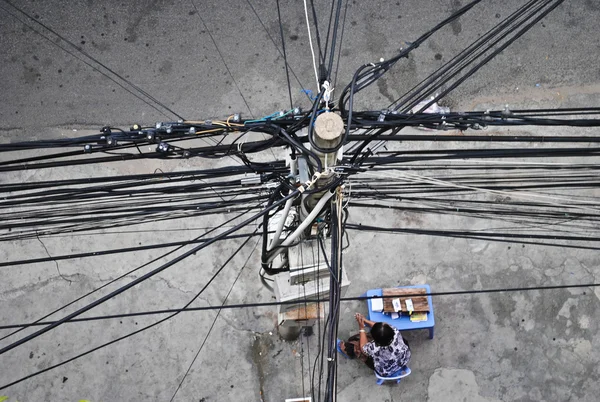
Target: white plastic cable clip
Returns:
[[309, 183], [327, 90]]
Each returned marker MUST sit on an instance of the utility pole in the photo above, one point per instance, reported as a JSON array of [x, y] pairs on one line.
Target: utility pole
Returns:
[[308, 275]]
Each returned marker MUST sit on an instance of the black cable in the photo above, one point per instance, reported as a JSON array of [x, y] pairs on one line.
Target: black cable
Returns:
[[143, 277], [491, 153], [282, 54], [302, 149], [199, 14], [116, 251], [333, 38], [416, 91], [287, 73], [482, 138], [334, 300], [282, 303], [337, 68], [133, 179], [320, 340], [131, 272], [109, 224], [108, 219], [130, 334], [79, 49], [218, 312], [493, 54], [323, 72], [376, 70], [481, 235], [317, 35]]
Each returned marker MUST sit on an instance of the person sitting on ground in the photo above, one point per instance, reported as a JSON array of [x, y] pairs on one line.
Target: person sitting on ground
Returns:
[[383, 349], [351, 349]]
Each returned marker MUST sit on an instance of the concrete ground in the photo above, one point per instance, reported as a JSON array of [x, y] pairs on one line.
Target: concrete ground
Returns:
[[534, 346]]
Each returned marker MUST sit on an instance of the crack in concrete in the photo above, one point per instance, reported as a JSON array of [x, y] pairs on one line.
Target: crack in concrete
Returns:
[[427, 385], [16, 292], [170, 285], [237, 328], [539, 95], [8, 129], [56, 262], [595, 290]]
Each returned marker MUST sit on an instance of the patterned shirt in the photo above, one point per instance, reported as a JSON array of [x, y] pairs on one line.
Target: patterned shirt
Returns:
[[388, 359]]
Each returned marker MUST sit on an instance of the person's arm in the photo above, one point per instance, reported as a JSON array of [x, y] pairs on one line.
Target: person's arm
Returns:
[[362, 331], [360, 319], [369, 322], [365, 321]]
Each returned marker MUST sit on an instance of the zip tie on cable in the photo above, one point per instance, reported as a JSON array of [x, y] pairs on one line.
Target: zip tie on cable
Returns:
[[309, 183]]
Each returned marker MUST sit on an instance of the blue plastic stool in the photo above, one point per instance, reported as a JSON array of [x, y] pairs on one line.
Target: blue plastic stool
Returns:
[[397, 376], [339, 349]]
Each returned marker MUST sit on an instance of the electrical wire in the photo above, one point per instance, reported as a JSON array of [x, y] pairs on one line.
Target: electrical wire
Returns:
[[143, 277], [285, 61], [110, 73], [547, 210], [131, 272], [312, 300], [218, 313], [312, 50], [127, 335]]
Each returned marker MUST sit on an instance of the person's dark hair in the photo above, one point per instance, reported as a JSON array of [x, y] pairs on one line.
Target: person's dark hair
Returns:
[[350, 350], [382, 334]]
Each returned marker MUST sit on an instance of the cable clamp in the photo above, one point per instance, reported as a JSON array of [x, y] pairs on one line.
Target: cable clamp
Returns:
[[251, 180], [382, 115]]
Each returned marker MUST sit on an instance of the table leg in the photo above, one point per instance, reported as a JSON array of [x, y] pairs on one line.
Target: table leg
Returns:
[[431, 333]]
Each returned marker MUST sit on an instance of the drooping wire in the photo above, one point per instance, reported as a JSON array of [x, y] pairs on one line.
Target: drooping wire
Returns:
[[313, 300], [281, 53], [110, 76], [127, 335], [287, 73], [144, 277], [199, 14], [497, 51], [312, 50], [130, 272], [218, 311]]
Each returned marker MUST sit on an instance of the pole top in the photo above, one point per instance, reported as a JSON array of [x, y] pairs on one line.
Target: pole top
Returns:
[[329, 126]]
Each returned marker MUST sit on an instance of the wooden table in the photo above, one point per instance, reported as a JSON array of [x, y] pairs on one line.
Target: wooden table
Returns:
[[403, 323]]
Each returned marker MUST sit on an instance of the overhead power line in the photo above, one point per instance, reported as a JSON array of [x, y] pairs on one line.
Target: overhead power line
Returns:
[[308, 300]]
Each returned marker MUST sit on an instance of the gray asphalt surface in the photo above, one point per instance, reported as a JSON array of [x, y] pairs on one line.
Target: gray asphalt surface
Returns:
[[67, 66]]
